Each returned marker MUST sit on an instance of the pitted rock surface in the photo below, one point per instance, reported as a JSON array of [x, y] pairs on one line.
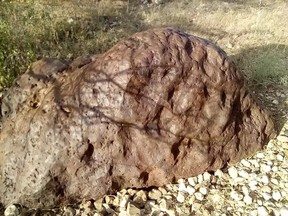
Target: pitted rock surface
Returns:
[[158, 106]]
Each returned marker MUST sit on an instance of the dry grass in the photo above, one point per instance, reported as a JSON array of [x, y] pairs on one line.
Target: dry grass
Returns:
[[255, 36]]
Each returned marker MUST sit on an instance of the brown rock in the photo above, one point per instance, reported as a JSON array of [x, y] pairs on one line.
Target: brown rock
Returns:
[[159, 106]]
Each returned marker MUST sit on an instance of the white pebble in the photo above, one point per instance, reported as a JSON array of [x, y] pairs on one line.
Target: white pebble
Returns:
[[203, 190], [253, 183], [264, 179], [245, 190], [233, 173], [282, 138], [275, 212], [190, 190], [266, 196], [247, 199], [243, 174], [262, 211], [206, 176], [253, 187], [180, 198], [265, 168], [274, 181], [182, 186], [253, 213], [245, 163], [260, 155], [259, 202], [279, 157], [11, 210], [200, 178], [284, 211], [274, 168], [276, 102], [191, 181], [236, 196], [276, 195], [199, 196], [219, 173], [196, 206], [266, 188]]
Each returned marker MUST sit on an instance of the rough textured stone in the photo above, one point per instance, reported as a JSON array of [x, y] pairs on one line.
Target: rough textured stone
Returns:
[[159, 106]]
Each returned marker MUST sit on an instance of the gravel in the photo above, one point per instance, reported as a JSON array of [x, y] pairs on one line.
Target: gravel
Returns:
[[255, 186]]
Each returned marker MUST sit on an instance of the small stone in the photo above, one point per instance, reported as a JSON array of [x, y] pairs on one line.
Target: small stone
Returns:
[[133, 210], [200, 179], [199, 196], [264, 179], [98, 204], [245, 190], [260, 155], [245, 163], [265, 168], [276, 102], [163, 205], [279, 157], [124, 201], [180, 197], [275, 212], [235, 195], [274, 168], [155, 194], [247, 199], [254, 163], [195, 206], [274, 181], [203, 190], [253, 213], [243, 174], [284, 211], [219, 173], [253, 187], [123, 191], [266, 196], [11, 210], [162, 190], [233, 173], [182, 186], [238, 180], [190, 190], [282, 138], [262, 211], [140, 198], [131, 192], [276, 195], [253, 183], [107, 200], [116, 201], [191, 181], [206, 176], [69, 211]]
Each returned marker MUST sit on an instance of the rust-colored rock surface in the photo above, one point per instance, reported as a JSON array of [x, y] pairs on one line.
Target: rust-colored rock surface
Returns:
[[158, 106]]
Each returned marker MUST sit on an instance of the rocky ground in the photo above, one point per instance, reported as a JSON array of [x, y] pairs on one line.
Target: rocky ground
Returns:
[[255, 186]]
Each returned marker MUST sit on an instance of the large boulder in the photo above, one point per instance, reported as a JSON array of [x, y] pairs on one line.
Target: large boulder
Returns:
[[159, 106]]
